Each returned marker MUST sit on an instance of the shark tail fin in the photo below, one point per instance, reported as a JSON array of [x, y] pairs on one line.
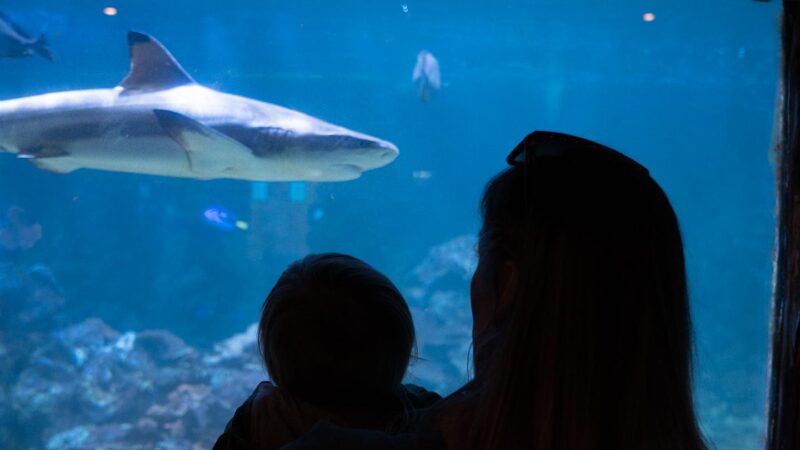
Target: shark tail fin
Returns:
[[40, 47]]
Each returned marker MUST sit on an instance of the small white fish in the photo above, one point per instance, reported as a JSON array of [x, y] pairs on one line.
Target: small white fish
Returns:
[[16, 43], [421, 174], [426, 75]]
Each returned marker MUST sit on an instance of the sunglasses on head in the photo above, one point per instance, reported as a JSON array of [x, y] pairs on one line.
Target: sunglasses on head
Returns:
[[543, 144], [548, 144]]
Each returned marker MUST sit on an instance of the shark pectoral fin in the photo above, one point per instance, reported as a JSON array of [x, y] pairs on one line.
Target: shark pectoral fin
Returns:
[[209, 151], [56, 165], [152, 66], [51, 158], [43, 151]]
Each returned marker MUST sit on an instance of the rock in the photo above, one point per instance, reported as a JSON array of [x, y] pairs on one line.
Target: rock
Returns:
[[453, 262], [85, 437], [89, 386], [240, 350], [439, 298], [87, 336]]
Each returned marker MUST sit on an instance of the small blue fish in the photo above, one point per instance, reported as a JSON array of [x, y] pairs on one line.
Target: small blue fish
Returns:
[[426, 75], [317, 214], [224, 220], [16, 43]]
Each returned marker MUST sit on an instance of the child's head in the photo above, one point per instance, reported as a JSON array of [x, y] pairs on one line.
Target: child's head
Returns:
[[336, 331]]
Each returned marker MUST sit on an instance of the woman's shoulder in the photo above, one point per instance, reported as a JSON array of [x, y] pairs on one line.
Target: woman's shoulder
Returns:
[[265, 389]]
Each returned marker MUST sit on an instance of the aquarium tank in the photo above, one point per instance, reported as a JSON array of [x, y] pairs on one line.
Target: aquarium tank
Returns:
[[134, 261]]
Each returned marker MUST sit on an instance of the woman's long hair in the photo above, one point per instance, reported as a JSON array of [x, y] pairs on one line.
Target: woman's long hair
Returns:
[[596, 352]]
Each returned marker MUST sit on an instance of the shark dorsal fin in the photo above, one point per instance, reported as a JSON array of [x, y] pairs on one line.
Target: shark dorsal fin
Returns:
[[152, 66]]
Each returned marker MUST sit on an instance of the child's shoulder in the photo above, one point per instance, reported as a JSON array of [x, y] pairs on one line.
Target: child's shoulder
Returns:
[[238, 432], [420, 397]]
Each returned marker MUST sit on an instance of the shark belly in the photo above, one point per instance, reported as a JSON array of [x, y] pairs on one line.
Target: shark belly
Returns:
[[128, 139], [150, 155], [97, 138]]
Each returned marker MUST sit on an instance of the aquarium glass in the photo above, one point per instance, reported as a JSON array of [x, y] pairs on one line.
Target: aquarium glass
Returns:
[[128, 299]]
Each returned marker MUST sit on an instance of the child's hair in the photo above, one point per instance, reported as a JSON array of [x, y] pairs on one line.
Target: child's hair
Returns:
[[335, 331]]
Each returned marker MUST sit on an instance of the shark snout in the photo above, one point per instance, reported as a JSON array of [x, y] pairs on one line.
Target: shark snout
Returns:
[[381, 153], [388, 151], [366, 152]]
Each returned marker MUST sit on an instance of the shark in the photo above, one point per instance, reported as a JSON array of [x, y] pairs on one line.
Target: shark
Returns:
[[16, 43], [159, 121]]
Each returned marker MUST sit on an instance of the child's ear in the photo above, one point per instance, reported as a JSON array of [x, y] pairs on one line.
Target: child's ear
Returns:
[[508, 285]]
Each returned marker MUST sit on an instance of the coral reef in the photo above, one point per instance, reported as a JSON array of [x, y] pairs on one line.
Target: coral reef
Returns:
[[89, 386]]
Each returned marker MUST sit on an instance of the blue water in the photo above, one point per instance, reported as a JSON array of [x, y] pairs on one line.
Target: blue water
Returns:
[[690, 95]]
